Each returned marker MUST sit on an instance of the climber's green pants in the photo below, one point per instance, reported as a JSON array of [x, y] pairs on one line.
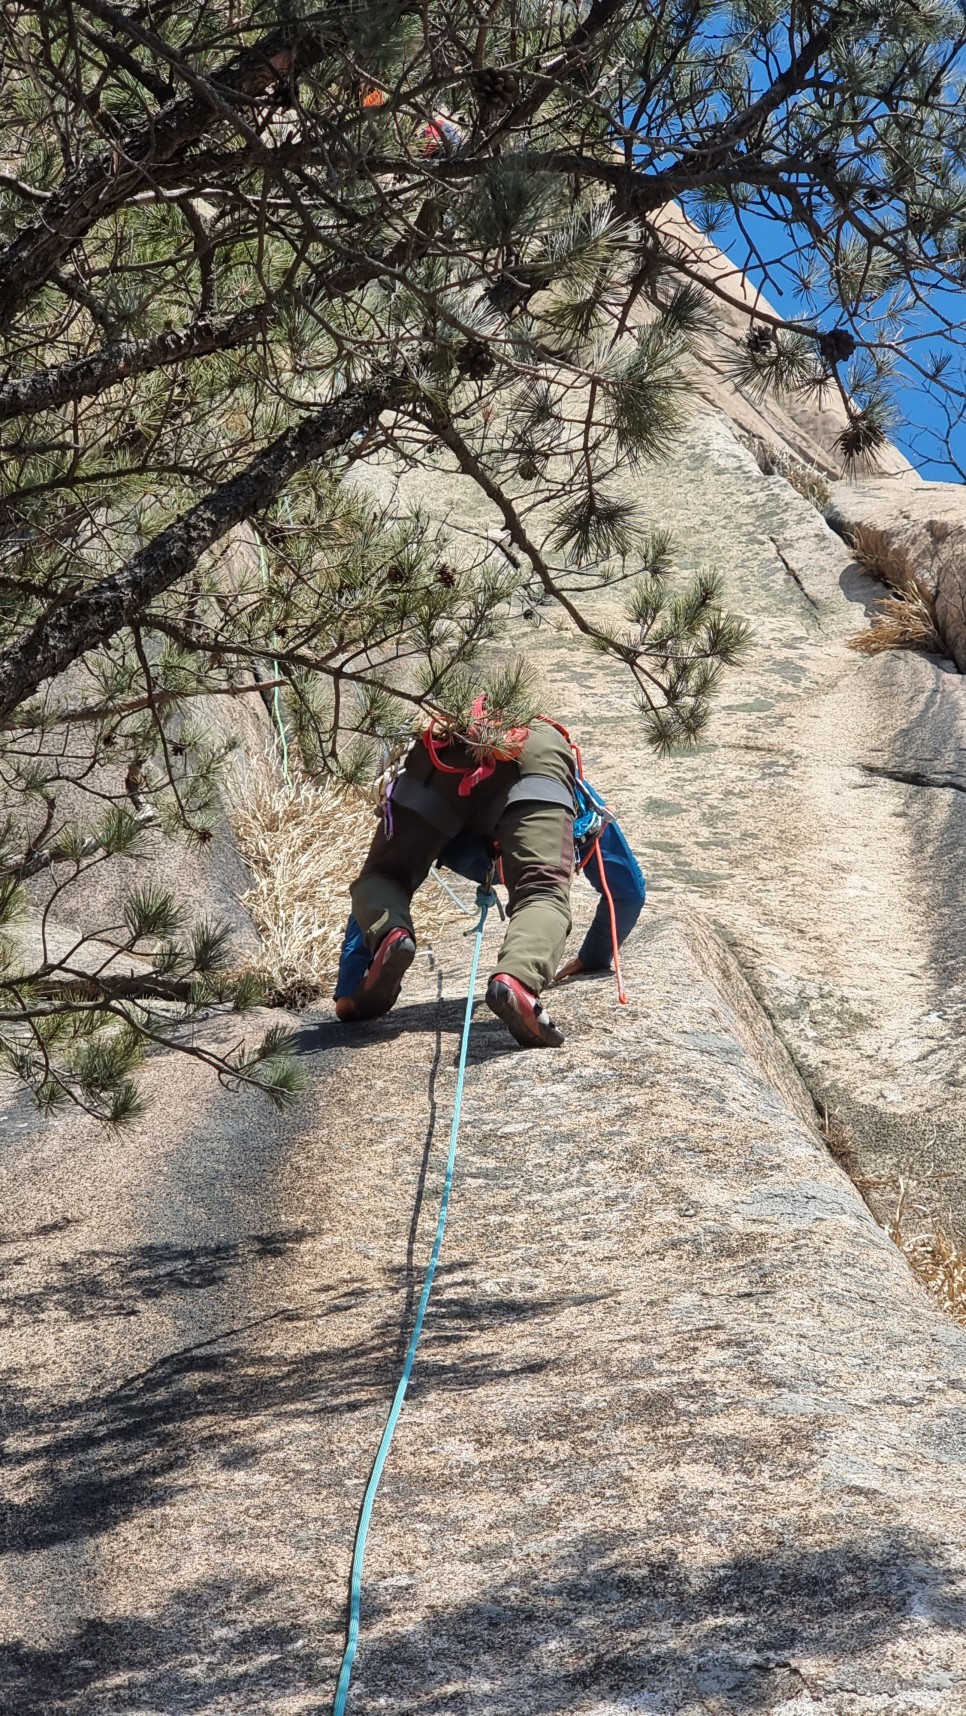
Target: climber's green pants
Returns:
[[536, 843]]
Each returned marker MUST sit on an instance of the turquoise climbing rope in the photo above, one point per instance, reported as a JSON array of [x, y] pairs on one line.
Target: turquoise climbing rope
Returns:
[[441, 882], [485, 898]]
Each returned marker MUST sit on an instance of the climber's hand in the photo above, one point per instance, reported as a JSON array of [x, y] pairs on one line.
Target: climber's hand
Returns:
[[571, 967]]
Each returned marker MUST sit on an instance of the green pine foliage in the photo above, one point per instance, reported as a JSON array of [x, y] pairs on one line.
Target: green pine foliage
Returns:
[[249, 255]]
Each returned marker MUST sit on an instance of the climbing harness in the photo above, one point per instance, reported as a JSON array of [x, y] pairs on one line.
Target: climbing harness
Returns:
[[486, 736], [485, 898]]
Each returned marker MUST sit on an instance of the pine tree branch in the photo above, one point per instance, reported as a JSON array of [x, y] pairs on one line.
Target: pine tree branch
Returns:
[[722, 139], [90, 618], [602, 13], [67, 985], [82, 378], [118, 56], [86, 714], [104, 184], [120, 359], [640, 192], [206, 643], [471, 466], [10, 182]]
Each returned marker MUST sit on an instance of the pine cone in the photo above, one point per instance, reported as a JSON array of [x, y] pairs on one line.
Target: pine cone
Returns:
[[475, 360], [131, 437], [759, 341], [497, 87], [837, 345], [446, 576]]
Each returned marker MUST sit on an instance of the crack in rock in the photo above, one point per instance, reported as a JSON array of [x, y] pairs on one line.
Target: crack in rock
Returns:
[[912, 777], [796, 578]]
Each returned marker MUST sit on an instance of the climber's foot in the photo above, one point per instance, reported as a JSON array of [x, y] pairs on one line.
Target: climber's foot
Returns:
[[379, 989], [523, 1014]]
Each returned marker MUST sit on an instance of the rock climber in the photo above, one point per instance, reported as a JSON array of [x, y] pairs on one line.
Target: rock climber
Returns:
[[456, 798]]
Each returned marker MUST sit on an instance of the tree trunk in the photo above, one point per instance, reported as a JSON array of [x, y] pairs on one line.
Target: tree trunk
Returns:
[[87, 620]]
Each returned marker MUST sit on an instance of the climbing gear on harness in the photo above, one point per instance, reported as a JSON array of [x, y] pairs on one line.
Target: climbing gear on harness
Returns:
[[591, 817], [485, 898], [523, 1014], [379, 989], [486, 738], [382, 789]]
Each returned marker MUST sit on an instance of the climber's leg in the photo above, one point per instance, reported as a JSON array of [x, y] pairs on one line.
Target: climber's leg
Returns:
[[537, 846], [396, 865], [381, 896]]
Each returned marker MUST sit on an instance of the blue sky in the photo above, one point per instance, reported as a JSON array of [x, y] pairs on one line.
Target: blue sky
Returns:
[[920, 420]]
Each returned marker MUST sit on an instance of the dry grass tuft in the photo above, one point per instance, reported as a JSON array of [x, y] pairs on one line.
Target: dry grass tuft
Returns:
[[843, 1148], [879, 558], [933, 1256], [303, 845], [907, 618], [936, 1259], [901, 622], [839, 1137]]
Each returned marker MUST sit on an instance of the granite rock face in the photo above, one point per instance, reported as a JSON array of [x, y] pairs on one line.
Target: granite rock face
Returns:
[[685, 1435], [820, 824], [805, 427]]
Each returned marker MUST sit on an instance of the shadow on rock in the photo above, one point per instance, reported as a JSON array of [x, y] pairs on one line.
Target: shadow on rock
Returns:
[[89, 1462], [489, 1039], [214, 1645], [608, 1624], [104, 1283], [612, 1623]]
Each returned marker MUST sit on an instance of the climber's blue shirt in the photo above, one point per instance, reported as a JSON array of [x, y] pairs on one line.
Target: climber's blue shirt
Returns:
[[469, 855]]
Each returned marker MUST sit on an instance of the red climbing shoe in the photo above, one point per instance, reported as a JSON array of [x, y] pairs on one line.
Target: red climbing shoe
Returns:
[[523, 1014], [379, 989]]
